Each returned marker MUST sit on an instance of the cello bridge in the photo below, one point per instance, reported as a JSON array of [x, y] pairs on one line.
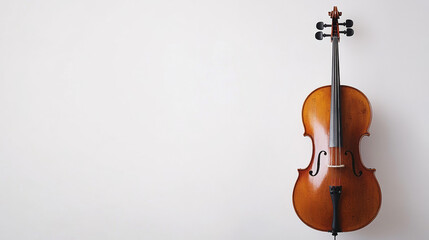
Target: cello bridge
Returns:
[[336, 166]]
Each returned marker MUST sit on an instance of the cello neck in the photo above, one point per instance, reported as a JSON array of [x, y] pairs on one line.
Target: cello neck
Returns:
[[335, 117]]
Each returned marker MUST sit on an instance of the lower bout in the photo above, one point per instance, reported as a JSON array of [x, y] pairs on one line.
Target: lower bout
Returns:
[[356, 208]]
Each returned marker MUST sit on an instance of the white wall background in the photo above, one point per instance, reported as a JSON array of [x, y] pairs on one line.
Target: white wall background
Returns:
[[182, 119]]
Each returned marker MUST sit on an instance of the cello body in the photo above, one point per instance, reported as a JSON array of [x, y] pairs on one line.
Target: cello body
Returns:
[[336, 192], [361, 195]]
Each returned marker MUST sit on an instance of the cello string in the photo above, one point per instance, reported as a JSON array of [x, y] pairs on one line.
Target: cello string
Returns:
[[335, 42], [339, 114], [338, 87], [337, 96]]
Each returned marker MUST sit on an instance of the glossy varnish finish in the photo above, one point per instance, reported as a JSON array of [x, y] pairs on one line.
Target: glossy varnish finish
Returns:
[[361, 195]]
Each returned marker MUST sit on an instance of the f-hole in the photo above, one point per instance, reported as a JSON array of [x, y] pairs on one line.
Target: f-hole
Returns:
[[318, 164], [353, 164]]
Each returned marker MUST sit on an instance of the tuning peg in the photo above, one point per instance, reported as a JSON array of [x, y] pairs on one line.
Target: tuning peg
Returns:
[[320, 35], [348, 23], [349, 32], [321, 25]]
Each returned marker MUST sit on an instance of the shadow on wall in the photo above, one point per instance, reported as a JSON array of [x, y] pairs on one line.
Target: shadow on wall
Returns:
[[377, 151]]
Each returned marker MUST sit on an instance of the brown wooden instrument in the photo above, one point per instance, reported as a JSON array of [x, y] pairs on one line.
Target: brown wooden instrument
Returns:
[[336, 192]]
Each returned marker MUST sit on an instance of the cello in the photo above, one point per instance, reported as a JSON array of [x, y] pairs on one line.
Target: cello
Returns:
[[336, 192]]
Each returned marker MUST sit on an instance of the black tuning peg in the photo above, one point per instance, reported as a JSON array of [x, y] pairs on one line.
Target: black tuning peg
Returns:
[[321, 25], [320, 35], [348, 23], [349, 32]]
